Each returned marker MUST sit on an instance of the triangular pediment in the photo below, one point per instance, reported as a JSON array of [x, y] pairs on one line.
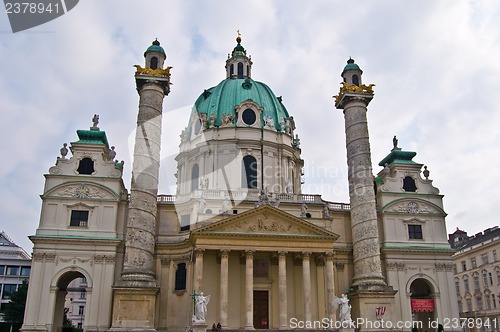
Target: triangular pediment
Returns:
[[266, 221]]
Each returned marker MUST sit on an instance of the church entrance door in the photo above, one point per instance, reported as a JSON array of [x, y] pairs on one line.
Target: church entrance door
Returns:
[[261, 309]]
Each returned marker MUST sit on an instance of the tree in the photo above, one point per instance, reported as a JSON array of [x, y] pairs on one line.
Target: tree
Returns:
[[14, 310]]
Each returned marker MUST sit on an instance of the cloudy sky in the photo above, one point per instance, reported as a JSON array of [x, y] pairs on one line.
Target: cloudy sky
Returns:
[[435, 66]]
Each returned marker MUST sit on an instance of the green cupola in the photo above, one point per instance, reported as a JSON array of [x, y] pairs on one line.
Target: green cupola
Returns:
[[352, 73], [155, 55]]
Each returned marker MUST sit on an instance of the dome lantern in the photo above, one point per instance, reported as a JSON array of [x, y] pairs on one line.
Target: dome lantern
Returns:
[[238, 65]]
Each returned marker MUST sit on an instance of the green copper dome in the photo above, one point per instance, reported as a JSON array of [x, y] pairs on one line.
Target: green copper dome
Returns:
[[351, 66], [222, 99], [155, 47]]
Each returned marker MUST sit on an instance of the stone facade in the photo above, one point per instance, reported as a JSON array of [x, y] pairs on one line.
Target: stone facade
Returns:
[[239, 229]]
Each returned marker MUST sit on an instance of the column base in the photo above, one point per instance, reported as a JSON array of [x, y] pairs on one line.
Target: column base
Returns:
[[134, 309], [365, 303], [199, 327]]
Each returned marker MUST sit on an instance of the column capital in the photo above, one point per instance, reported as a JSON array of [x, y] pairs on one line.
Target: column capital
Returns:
[[282, 254], [306, 255], [224, 253], [329, 255], [249, 253]]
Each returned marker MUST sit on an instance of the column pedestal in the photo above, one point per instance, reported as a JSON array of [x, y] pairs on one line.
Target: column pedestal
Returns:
[[134, 309], [199, 327]]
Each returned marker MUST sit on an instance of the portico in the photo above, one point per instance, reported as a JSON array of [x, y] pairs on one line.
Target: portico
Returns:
[[266, 259]]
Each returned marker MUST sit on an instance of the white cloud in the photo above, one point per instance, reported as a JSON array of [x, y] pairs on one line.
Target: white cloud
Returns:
[[434, 65]]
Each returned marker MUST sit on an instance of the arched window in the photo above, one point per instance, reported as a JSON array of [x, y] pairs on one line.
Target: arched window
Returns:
[[409, 184], [86, 166], [180, 277], [249, 172], [195, 174], [240, 69], [355, 80], [154, 62], [231, 70]]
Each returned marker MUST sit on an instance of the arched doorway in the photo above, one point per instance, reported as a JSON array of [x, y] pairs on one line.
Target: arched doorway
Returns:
[[422, 303], [71, 302]]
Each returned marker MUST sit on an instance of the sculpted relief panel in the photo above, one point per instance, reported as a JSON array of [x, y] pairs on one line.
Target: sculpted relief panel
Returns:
[[265, 223]]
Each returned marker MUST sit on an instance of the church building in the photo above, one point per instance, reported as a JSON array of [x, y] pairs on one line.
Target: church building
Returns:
[[239, 228]]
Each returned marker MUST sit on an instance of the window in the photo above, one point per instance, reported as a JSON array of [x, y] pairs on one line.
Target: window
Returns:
[[466, 285], [355, 80], [459, 306], [455, 270], [180, 277], [79, 218], [485, 279], [495, 255], [473, 262], [81, 310], [464, 266], [197, 126], [86, 166], [491, 278], [12, 270], [415, 232], [195, 174], [185, 222], [487, 300], [469, 304], [240, 70], [83, 280], [248, 116], [457, 287], [479, 301], [154, 62], [83, 295], [2, 270], [476, 282], [25, 271], [494, 301], [8, 290], [484, 258], [409, 184], [231, 70], [249, 176], [498, 276]]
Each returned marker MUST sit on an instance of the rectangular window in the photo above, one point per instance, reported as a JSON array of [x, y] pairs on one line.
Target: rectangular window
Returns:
[[457, 287], [495, 255], [484, 258], [81, 310], [25, 271], [488, 303], [473, 262], [476, 282], [12, 270], [8, 290], [83, 294], [2, 270], [491, 278], [494, 301], [415, 232], [464, 266], [180, 277], [466, 285], [479, 302], [485, 279], [79, 218], [469, 304]]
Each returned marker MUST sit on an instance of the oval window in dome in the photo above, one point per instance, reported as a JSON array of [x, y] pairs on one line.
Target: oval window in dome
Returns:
[[248, 117]]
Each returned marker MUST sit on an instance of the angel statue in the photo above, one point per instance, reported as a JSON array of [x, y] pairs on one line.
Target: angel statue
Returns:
[[200, 307], [345, 308]]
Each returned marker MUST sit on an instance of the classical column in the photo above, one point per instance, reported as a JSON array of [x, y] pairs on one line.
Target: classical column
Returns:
[[282, 289], [198, 269], [354, 98], [306, 276], [249, 290], [224, 286], [138, 265], [330, 286]]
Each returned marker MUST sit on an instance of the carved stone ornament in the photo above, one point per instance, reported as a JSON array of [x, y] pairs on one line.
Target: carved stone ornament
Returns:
[[82, 191]]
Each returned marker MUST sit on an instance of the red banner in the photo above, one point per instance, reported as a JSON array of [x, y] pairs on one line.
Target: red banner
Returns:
[[418, 305]]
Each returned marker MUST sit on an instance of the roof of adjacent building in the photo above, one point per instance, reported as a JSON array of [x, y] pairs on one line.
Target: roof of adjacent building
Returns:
[[10, 250], [478, 238]]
